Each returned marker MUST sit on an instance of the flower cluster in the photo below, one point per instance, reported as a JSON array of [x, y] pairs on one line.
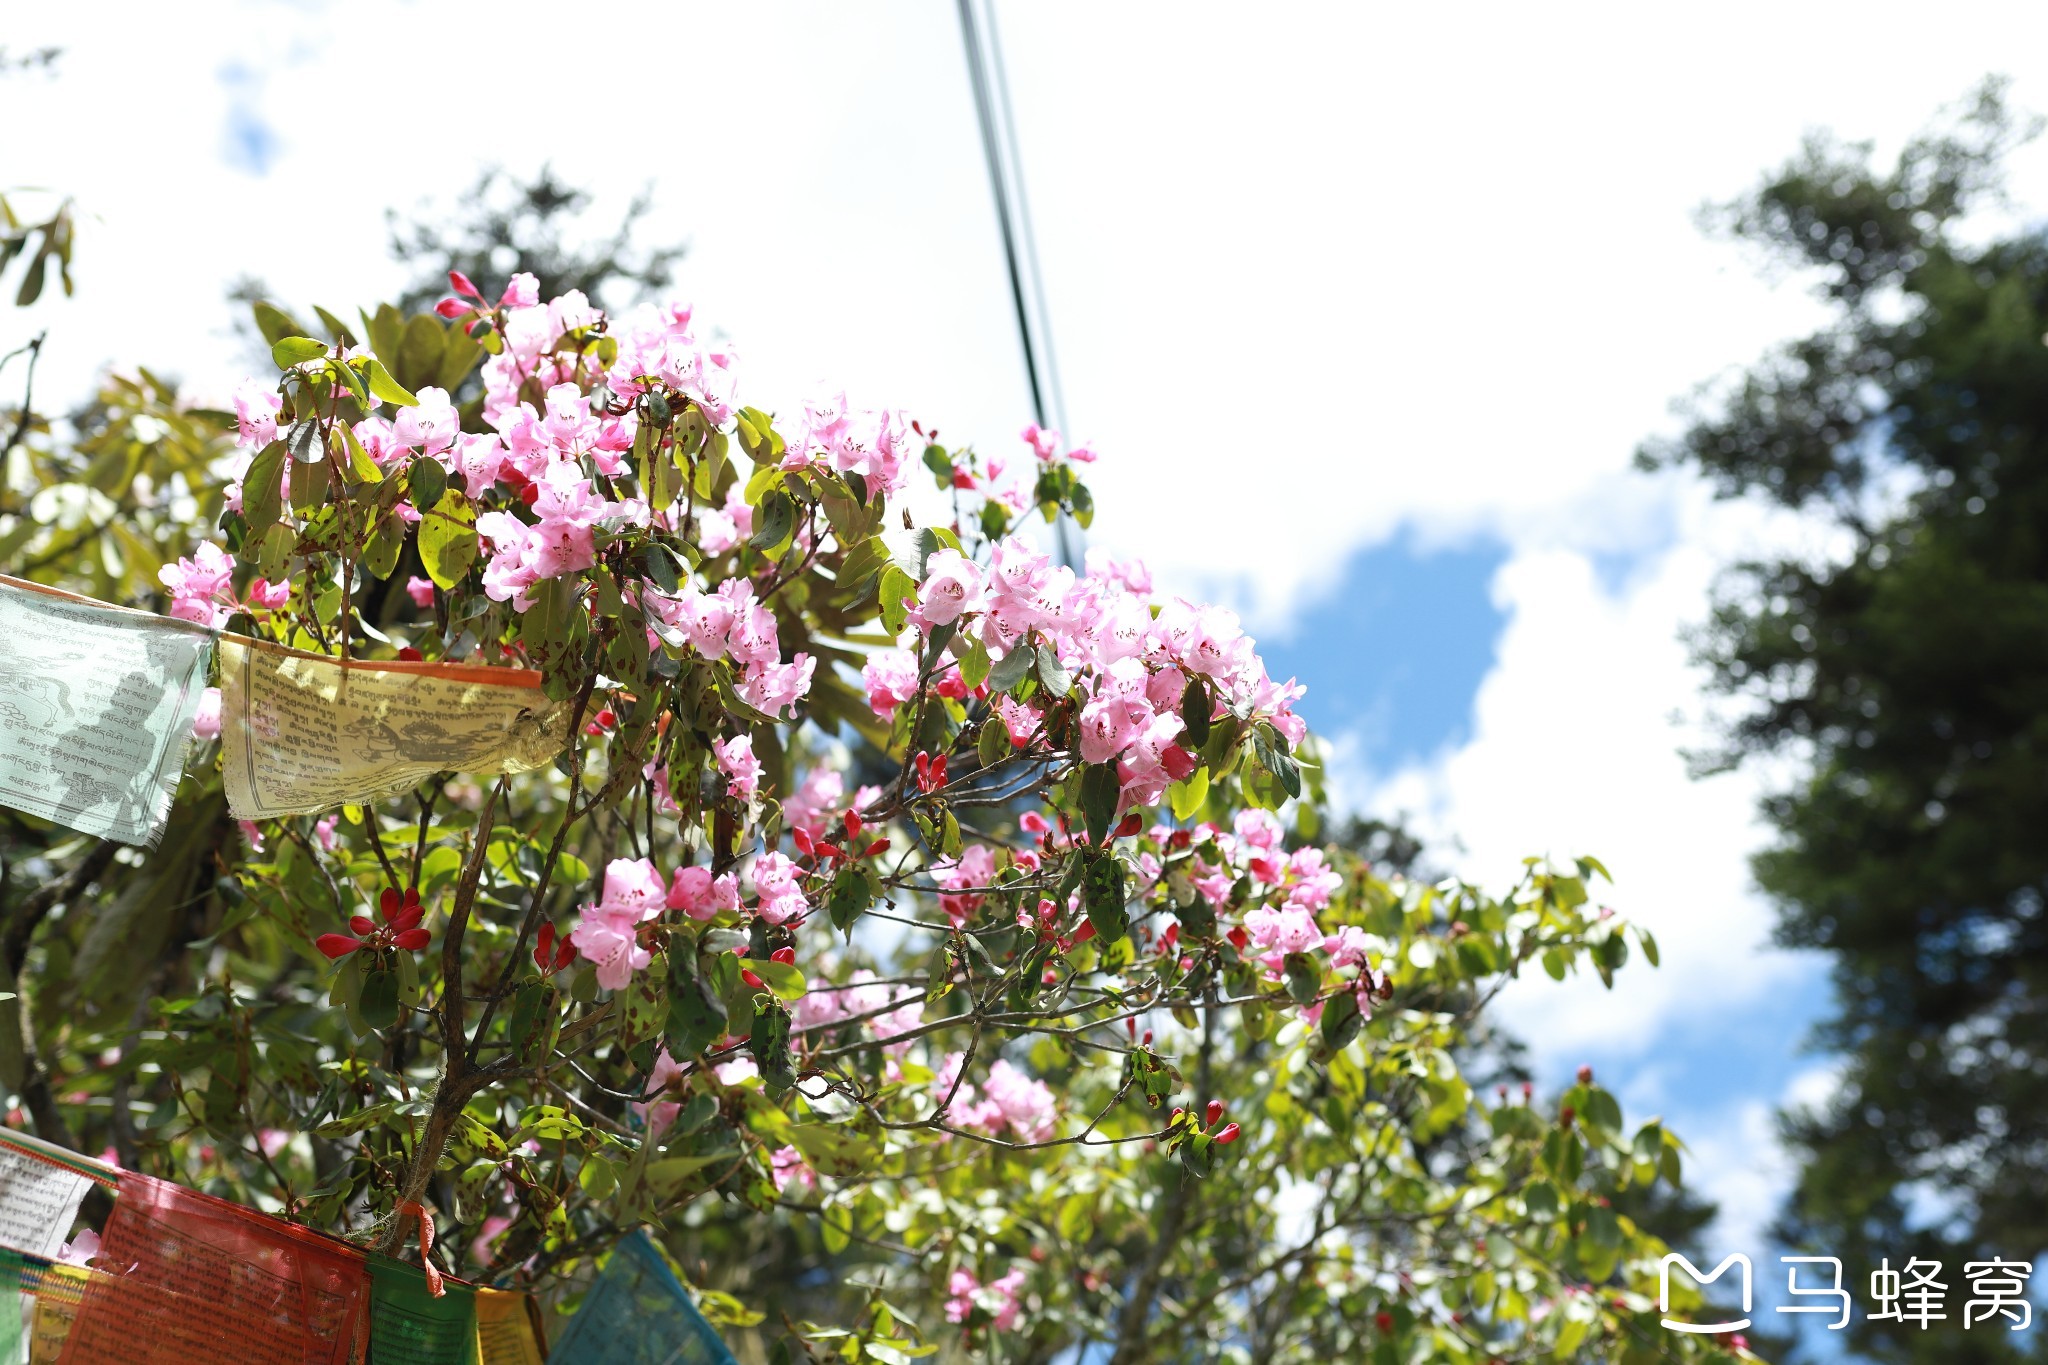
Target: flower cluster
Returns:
[[202, 588], [732, 623], [996, 1300], [1134, 668], [1009, 1101]]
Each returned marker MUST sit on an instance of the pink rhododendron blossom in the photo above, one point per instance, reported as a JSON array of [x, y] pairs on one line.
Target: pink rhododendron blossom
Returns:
[[659, 1114], [998, 1298], [788, 1167], [257, 407], [429, 426], [200, 585], [421, 591], [736, 760], [776, 884], [975, 868], [608, 933], [952, 585], [891, 678], [700, 895], [811, 806], [206, 720]]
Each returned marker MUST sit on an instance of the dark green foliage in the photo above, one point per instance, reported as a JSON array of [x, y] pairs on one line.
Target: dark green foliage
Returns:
[[1909, 679]]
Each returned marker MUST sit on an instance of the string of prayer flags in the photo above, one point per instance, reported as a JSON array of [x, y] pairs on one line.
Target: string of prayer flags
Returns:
[[41, 1187], [638, 1313], [193, 1278], [509, 1329], [96, 710], [58, 1290], [305, 733], [48, 1296], [411, 1325]]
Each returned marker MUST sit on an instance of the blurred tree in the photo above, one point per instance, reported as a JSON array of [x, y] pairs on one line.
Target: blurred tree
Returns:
[[504, 225], [1907, 677]]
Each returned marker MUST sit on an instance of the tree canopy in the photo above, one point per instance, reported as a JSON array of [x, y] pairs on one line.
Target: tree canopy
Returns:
[[1907, 681]]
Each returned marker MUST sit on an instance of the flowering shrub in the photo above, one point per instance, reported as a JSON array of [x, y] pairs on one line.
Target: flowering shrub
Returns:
[[900, 887]]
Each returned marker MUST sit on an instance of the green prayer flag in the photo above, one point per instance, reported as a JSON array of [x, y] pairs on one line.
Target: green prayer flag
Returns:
[[409, 1326]]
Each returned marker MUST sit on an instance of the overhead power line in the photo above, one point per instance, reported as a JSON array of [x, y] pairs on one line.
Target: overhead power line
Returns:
[[1013, 216]]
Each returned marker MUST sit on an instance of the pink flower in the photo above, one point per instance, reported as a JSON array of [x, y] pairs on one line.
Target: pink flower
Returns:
[[776, 883], [788, 1167], [700, 895], [736, 760], [1347, 947], [522, 291], [200, 584], [774, 688], [269, 596], [632, 887], [1289, 929], [891, 677], [80, 1250], [811, 806], [738, 1071], [976, 868], [1026, 1105], [323, 831], [997, 1298], [610, 940], [952, 585], [257, 408], [659, 1114], [429, 426], [421, 591], [1044, 443], [206, 721]]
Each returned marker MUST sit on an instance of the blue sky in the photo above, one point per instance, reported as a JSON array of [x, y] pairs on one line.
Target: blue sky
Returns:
[[1363, 359]]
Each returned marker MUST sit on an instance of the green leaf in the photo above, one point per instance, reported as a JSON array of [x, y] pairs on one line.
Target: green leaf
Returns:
[[1052, 672], [261, 499], [696, 1014], [1341, 1022], [447, 539], [777, 517], [1099, 792], [295, 351], [768, 1040], [1195, 706], [1102, 895], [379, 1000], [1187, 795], [780, 977], [992, 743], [384, 388], [1009, 670], [853, 891], [974, 665], [896, 587], [428, 480], [274, 322], [1304, 978]]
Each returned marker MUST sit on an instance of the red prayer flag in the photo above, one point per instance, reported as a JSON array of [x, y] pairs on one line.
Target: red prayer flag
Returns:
[[191, 1278]]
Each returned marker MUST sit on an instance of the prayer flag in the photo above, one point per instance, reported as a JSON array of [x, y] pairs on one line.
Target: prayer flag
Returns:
[[508, 1329], [409, 1325], [638, 1313], [305, 733], [96, 708], [193, 1278]]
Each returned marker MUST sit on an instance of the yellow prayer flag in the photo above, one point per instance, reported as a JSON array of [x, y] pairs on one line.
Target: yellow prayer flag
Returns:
[[304, 732], [507, 1328]]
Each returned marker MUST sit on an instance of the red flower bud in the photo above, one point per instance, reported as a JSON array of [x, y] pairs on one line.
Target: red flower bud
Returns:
[[876, 847], [388, 901], [362, 924], [1129, 825], [451, 308], [1565, 1116], [337, 945], [1177, 1112], [459, 282], [1585, 1075], [607, 718], [408, 654], [802, 840], [1383, 1321], [1228, 1135], [786, 956], [1085, 932], [1213, 1114], [565, 953], [747, 975], [1239, 939], [412, 940], [1178, 762]]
